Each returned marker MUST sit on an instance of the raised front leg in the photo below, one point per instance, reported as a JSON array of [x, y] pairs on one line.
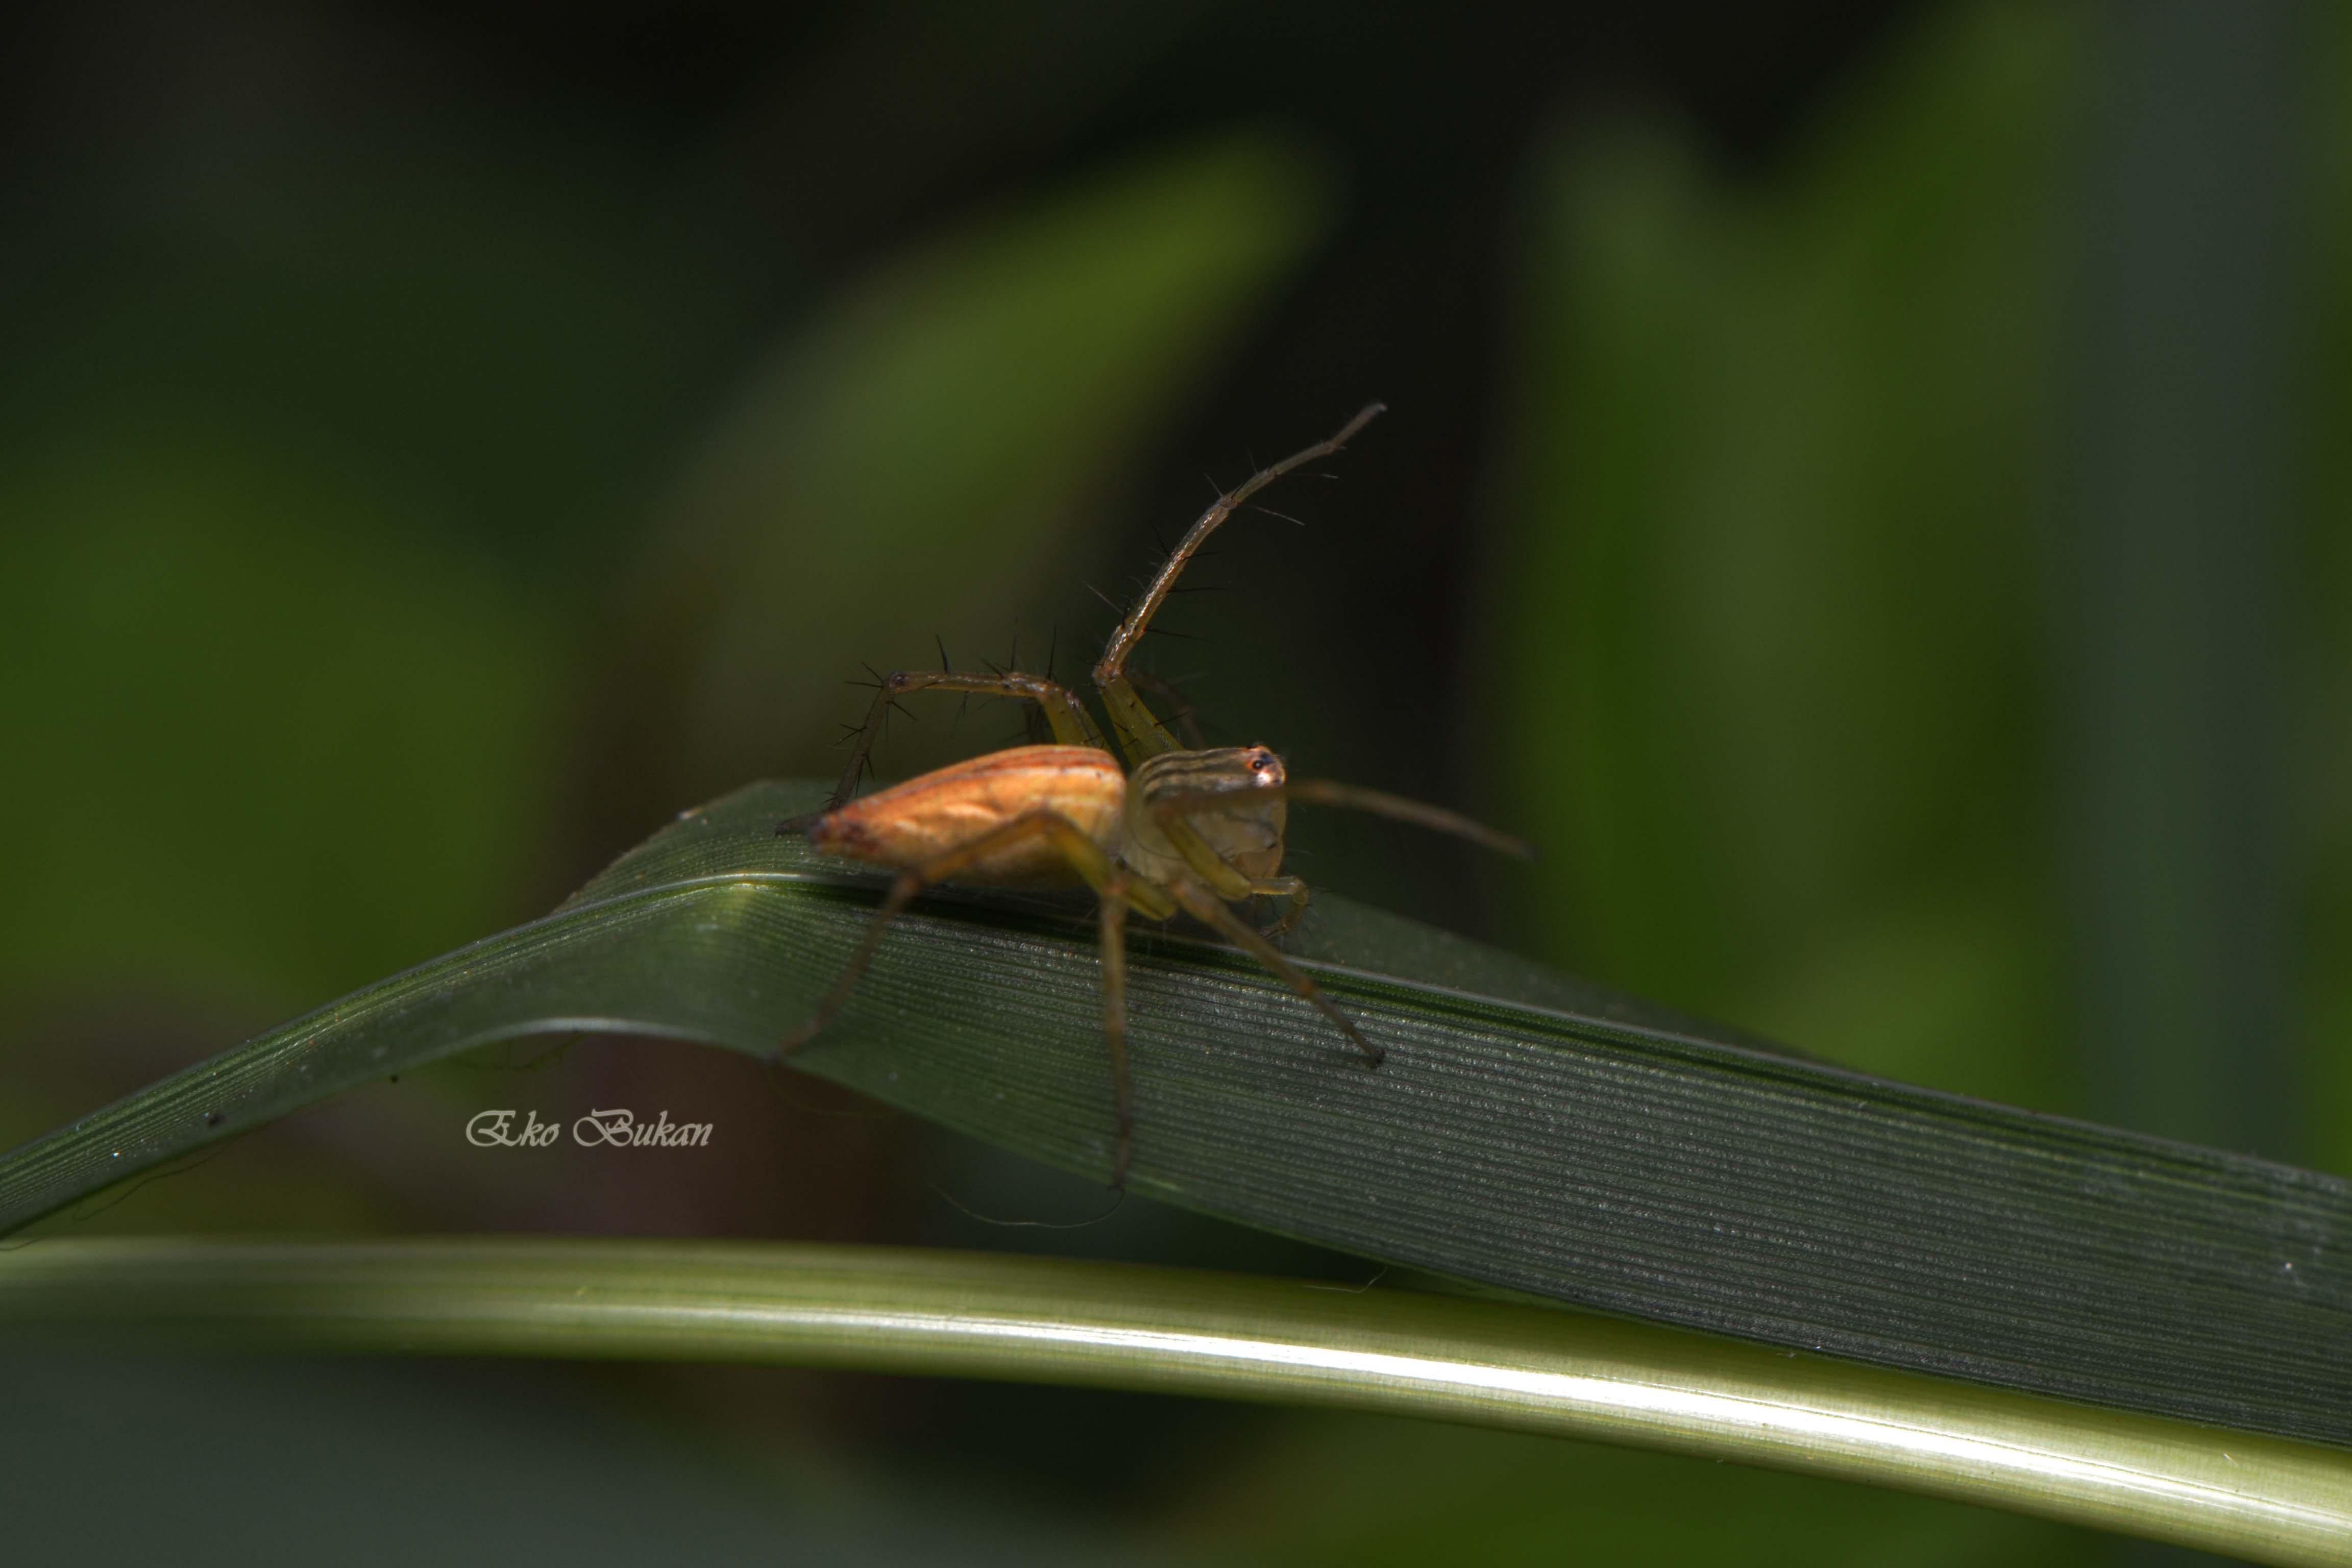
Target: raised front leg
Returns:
[[1140, 733]]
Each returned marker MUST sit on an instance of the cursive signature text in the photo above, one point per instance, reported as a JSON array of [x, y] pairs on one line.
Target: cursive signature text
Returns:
[[614, 1129]]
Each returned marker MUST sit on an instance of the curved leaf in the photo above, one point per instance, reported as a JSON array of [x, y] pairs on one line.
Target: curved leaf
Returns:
[[1526, 1132], [1191, 1331]]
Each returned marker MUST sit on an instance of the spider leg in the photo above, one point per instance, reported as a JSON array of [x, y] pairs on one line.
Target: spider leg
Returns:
[[1114, 1019], [1203, 905], [1322, 792], [1182, 713], [1119, 891], [1212, 882], [1064, 713], [1087, 857], [1140, 733], [1291, 888], [1172, 808]]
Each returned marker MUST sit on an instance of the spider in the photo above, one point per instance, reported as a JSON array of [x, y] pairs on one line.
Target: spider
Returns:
[[1190, 829]]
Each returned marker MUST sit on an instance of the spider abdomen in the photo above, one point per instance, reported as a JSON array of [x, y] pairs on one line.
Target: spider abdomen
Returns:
[[925, 816]]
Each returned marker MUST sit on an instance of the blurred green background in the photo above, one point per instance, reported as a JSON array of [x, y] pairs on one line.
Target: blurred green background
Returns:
[[1858, 493]]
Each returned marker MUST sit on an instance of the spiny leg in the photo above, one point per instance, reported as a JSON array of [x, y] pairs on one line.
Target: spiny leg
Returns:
[[1140, 733], [1069, 720], [1180, 710], [1206, 907], [1139, 620]]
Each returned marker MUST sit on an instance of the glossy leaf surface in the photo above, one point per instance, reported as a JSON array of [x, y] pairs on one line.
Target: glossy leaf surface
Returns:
[[1526, 1132]]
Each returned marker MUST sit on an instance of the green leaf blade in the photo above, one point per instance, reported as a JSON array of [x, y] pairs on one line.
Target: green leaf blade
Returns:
[[1607, 1155]]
